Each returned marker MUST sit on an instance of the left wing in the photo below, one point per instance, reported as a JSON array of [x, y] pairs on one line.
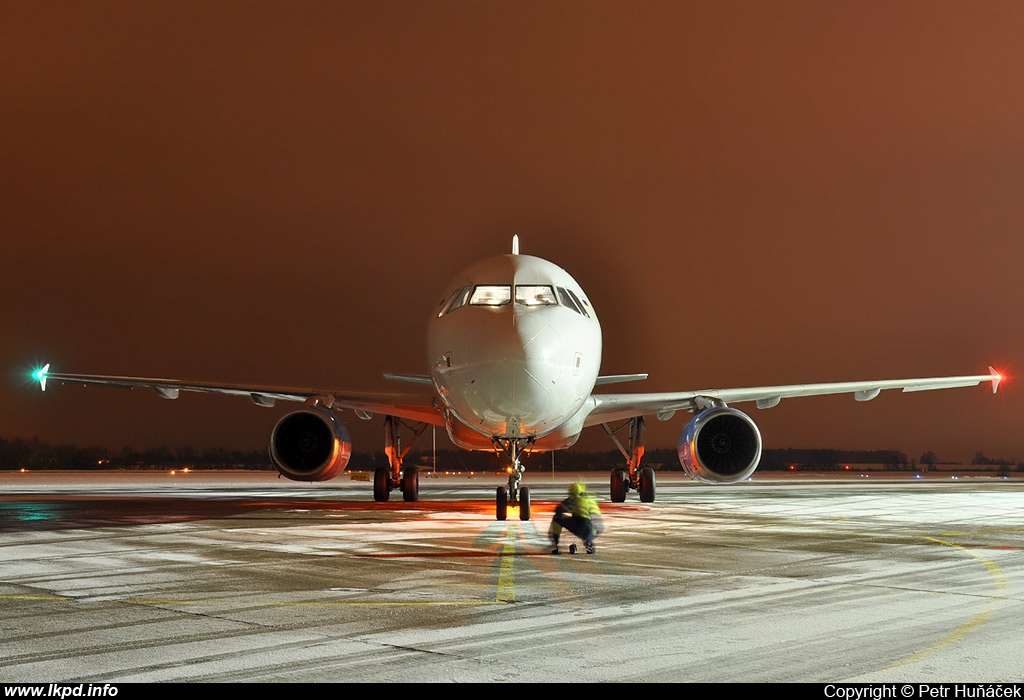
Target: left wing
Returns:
[[419, 406], [614, 407]]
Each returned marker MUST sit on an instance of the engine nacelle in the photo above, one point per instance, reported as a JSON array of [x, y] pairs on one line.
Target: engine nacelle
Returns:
[[720, 445], [310, 445]]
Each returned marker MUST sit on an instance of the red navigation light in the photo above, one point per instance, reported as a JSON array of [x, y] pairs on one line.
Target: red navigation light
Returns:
[[998, 377]]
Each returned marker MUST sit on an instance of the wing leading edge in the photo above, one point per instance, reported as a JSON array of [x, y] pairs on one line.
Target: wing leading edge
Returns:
[[614, 407]]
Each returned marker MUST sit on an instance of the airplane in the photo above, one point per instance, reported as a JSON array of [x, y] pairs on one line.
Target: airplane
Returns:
[[514, 352]]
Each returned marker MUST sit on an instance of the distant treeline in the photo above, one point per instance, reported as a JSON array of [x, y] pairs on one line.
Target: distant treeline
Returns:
[[36, 455]]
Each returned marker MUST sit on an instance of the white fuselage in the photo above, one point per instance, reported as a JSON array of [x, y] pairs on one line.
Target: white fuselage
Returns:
[[514, 349]]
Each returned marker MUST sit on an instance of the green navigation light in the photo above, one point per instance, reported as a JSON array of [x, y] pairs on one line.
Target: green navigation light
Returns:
[[40, 376]]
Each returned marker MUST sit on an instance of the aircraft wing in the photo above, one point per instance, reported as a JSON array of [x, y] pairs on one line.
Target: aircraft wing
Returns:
[[417, 406], [614, 407]]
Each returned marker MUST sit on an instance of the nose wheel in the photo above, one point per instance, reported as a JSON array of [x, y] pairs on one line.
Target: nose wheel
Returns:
[[502, 502]]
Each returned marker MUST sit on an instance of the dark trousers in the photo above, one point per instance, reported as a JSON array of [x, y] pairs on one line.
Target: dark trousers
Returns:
[[581, 527]]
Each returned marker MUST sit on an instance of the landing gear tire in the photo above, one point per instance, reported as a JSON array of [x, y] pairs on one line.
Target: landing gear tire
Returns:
[[381, 484], [501, 503], [618, 486], [647, 485], [411, 484], [524, 503]]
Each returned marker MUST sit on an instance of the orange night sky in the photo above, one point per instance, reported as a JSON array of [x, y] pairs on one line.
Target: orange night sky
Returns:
[[277, 193]]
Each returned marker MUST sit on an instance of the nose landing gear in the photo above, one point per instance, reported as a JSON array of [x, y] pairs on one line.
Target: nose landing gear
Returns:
[[513, 494]]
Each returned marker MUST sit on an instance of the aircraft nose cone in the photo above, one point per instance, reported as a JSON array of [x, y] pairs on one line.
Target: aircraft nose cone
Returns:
[[507, 382], [543, 357]]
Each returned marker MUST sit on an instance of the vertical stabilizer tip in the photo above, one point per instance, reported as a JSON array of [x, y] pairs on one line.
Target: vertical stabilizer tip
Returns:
[[515, 244]]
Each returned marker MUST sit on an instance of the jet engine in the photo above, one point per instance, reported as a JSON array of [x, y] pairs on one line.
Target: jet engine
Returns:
[[310, 445], [720, 445]]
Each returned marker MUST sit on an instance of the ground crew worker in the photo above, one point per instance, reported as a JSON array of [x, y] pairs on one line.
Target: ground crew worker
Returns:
[[580, 515]]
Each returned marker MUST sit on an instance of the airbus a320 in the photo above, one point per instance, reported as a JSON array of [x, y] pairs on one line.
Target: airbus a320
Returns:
[[514, 356]]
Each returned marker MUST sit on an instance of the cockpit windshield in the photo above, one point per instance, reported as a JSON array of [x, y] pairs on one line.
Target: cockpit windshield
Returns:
[[491, 295], [535, 295], [502, 294]]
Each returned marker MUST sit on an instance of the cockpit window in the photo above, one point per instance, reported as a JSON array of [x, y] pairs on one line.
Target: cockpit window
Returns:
[[563, 296], [535, 295], [452, 301], [458, 300], [572, 301], [491, 295]]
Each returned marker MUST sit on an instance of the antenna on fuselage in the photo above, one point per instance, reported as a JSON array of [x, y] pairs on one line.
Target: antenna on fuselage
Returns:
[[515, 244]]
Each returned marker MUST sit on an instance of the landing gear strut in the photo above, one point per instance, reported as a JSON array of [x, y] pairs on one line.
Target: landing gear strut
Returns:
[[395, 476], [513, 494], [640, 479]]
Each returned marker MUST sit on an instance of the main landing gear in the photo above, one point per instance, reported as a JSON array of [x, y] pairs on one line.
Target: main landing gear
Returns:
[[640, 479], [513, 494], [395, 476]]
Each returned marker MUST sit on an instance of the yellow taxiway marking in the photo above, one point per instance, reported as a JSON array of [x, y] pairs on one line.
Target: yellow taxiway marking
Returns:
[[506, 591], [963, 630]]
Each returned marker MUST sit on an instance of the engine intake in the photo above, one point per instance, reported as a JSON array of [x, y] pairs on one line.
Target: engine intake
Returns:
[[720, 445], [310, 445]]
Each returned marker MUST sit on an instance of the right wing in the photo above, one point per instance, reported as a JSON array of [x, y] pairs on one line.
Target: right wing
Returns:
[[415, 406]]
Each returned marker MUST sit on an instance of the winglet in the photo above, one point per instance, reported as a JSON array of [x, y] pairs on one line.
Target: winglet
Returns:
[[996, 378], [40, 376]]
